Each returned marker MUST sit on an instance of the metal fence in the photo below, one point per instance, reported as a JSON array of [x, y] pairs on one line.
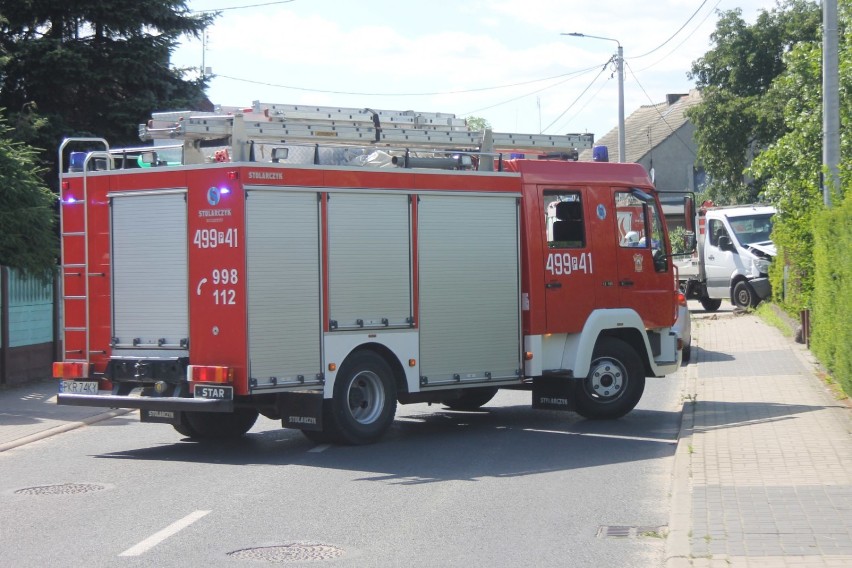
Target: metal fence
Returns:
[[27, 326]]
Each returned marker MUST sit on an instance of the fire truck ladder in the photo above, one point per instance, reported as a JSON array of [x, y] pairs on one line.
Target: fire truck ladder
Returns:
[[364, 127], [78, 269]]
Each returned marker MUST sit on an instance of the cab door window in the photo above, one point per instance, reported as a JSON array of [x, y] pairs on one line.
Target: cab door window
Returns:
[[563, 216], [640, 225]]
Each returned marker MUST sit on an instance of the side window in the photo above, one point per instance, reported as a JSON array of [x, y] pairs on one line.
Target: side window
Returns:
[[630, 212], [715, 229], [640, 225], [563, 219]]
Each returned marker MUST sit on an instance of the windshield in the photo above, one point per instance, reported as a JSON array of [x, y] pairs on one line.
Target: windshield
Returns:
[[752, 229]]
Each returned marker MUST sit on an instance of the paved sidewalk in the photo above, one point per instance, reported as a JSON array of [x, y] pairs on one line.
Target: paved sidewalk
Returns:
[[29, 412], [764, 462]]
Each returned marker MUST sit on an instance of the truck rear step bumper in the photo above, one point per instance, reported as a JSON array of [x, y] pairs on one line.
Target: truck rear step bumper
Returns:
[[147, 402]]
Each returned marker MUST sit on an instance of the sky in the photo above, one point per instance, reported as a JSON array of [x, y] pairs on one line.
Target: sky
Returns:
[[501, 60]]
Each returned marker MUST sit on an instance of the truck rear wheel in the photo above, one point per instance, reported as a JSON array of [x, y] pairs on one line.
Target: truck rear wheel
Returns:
[[744, 295], [615, 382], [364, 401], [470, 399], [709, 304], [218, 425]]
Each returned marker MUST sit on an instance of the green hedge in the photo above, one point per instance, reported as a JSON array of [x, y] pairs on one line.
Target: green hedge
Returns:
[[831, 318]]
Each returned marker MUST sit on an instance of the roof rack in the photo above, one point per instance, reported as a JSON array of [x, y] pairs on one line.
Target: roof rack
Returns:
[[391, 130]]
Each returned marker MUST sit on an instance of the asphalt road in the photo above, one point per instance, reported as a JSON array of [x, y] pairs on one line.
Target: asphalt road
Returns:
[[506, 486]]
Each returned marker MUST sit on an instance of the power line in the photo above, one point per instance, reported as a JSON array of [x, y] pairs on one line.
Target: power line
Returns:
[[710, 13], [589, 86], [662, 116], [513, 99], [588, 100], [569, 75], [241, 7], [674, 34]]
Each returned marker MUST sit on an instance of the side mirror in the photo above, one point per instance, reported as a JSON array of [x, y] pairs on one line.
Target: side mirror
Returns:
[[725, 243], [689, 242]]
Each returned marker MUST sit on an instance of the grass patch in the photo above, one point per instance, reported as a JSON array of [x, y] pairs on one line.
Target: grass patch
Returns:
[[769, 313]]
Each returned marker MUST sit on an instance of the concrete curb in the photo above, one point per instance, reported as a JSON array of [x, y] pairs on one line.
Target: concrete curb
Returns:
[[678, 550], [63, 428]]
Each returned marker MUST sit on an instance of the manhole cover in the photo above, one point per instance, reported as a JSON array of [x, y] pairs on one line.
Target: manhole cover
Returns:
[[630, 532], [294, 552], [61, 489]]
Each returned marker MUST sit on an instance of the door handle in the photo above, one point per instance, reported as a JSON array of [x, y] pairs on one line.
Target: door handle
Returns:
[[553, 285], [625, 283], [711, 257]]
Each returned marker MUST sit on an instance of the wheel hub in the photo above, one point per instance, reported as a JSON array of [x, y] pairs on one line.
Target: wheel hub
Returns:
[[366, 397], [606, 379]]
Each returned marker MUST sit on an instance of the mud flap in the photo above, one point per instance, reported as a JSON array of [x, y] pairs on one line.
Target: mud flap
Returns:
[[301, 410], [554, 393]]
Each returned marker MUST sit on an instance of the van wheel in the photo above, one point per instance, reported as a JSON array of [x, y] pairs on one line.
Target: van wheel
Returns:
[[615, 382], [470, 399], [219, 425], [744, 295], [364, 401], [709, 304]]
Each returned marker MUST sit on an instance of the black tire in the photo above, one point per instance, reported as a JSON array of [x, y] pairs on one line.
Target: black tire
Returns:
[[709, 304], [184, 429], [364, 402], [219, 425], [470, 399], [744, 296], [319, 436], [687, 353], [615, 383]]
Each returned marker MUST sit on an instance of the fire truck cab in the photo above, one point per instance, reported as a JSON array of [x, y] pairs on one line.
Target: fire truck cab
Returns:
[[242, 278]]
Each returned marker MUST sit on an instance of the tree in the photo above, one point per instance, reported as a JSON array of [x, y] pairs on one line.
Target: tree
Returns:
[[91, 67], [737, 119], [792, 164], [28, 240], [477, 123]]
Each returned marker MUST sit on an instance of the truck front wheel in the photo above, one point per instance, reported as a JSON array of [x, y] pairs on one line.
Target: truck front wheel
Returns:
[[615, 382], [364, 401], [744, 295]]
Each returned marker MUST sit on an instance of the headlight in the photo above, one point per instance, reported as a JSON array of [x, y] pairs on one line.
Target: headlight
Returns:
[[761, 265]]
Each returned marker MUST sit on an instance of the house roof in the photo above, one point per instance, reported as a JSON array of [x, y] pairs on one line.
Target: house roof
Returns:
[[648, 126]]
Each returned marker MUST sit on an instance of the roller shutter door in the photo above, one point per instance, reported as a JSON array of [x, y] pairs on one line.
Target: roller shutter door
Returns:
[[282, 244], [149, 269], [469, 309], [369, 260]]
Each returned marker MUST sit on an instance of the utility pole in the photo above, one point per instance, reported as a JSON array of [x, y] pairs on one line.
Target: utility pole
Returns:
[[830, 102], [619, 66]]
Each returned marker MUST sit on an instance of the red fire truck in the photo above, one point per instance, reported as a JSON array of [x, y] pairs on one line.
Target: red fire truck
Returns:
[[318, 266]]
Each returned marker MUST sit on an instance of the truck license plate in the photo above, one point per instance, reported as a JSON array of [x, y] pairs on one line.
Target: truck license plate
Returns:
[[216, 392], [79, 387]]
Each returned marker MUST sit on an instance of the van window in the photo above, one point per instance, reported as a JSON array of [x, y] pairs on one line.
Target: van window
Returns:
[[715, 229]]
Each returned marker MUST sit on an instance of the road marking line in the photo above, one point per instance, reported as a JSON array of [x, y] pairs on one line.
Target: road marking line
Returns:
[[159, 537], [608, 436], [320, 448]]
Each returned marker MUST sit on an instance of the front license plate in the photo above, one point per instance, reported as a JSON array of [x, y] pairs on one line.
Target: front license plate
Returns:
[[79, 387], [216, 392]]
